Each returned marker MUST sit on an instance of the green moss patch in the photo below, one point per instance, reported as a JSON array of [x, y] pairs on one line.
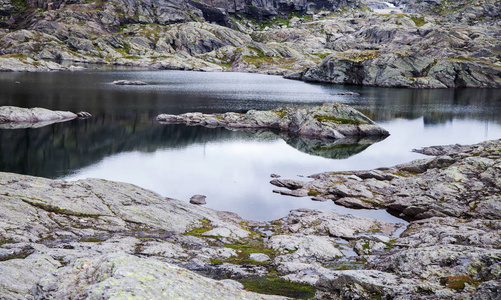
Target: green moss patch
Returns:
[[244, 251], [278, 286], [322, 118], [91, 240], [458, 282], [204, 226], [419, 21], [313, 192]]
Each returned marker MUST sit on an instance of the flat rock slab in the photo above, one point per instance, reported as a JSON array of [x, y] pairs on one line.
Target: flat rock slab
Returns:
[[328, 121], [126, 276]]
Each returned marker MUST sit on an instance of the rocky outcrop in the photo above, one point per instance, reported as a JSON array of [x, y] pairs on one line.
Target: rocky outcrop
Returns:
[[47, 225], [462, 182], [17, 117], [301, 39], [450, 251], [414, 70], [98, 238], [331, 121], [103, 239], [12, 117]]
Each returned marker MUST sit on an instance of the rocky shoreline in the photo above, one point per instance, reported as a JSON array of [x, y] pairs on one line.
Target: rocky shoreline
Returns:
[[433, 45], [99, 239]]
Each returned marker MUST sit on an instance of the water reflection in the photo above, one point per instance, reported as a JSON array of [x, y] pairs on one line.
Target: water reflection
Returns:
[[122, 141], [59, 149], [334, 149], [435, 106]]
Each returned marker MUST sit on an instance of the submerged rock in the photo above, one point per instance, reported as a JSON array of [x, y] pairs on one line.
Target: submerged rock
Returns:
[[332, 121], [129, 82]]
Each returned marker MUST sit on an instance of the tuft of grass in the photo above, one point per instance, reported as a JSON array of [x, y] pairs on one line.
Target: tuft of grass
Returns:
[[91, 240], [204, 226], [279, 286], [313, 192], [419, 21], [458, 282], [244, 251]]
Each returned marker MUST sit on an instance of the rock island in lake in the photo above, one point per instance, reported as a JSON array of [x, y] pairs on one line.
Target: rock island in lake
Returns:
[[331, 120]]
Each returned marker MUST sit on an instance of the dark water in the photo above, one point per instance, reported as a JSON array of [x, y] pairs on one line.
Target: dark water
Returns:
[[123, 142]]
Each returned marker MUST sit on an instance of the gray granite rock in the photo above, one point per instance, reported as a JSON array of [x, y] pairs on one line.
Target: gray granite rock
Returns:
[[198, 199], [121, 275], [12, 114], [461, 184], [333, 121]]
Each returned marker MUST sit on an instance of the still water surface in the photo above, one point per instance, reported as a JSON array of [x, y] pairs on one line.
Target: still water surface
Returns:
[[123, 142]]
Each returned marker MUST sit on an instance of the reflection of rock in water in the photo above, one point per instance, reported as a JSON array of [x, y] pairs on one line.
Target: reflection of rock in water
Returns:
[[24, 125], [335, 149], [58, 149]]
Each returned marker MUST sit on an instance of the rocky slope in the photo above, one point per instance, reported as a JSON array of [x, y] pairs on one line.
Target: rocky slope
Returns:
[[454, 199], [100, 239], [327, 41]]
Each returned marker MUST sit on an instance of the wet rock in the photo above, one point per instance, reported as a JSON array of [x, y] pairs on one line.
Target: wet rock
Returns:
[[198, 199], [334, 121]]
